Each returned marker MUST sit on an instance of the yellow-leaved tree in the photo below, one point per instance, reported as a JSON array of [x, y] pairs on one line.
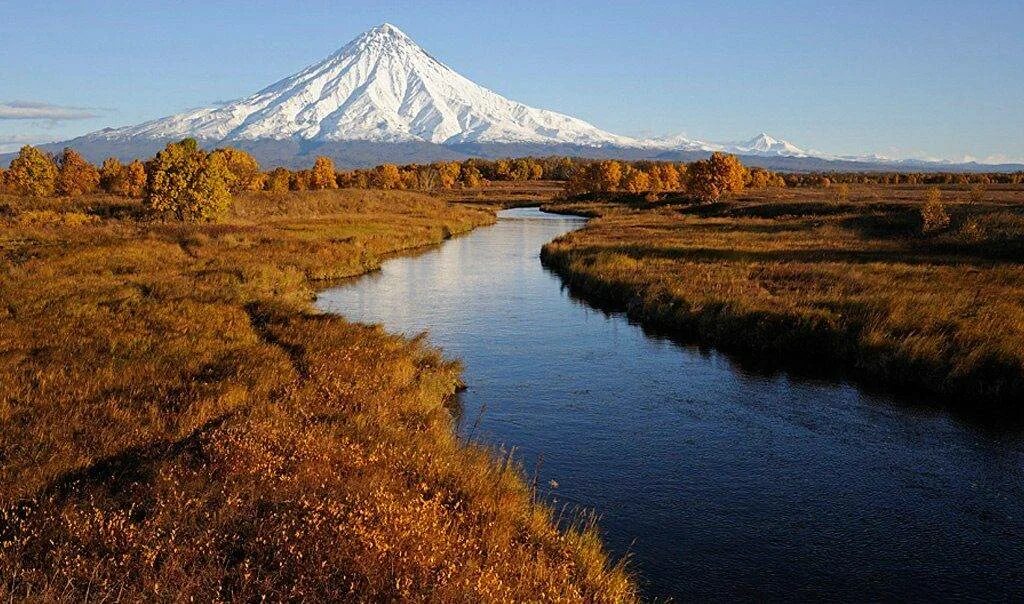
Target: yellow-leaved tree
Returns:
[[242, 170], [75, 176], [471, 177], [185, 184], [32, 173], [112, 174], [135, 179], [718, 175], [636, 181], [385, 176], [609, 175], [323, 176], [448, 173], [278, 181]]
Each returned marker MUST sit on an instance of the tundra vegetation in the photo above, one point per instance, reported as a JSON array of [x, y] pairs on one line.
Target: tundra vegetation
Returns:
[[176, 422], [914, 281]]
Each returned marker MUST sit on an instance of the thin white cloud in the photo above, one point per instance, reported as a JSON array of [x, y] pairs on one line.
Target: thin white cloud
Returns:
[[34, 110], [12, 142]]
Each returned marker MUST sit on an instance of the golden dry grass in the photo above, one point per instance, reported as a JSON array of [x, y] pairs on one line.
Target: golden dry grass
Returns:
[[792, 274], [175, 422]]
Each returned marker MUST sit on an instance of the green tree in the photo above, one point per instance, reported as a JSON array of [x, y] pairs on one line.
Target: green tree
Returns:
[[185, 184]]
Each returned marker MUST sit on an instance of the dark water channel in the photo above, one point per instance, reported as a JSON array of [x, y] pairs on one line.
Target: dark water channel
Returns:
[[722, 483]]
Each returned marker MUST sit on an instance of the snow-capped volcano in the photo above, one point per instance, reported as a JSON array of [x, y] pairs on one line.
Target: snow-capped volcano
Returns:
[[761, 145], [379, 87], [381, 98]]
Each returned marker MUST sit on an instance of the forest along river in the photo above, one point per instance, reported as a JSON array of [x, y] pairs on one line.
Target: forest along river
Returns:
[[720, 483]]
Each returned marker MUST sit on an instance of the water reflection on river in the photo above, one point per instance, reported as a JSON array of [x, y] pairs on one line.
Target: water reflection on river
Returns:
[[721, 483]]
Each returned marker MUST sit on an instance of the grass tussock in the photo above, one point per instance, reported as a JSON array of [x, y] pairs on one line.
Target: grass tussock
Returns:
[[176, 422], [859, 284]]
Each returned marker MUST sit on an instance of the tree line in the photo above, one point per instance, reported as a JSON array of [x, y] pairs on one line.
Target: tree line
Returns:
[[184, 166], [188, 183], [825, 179]]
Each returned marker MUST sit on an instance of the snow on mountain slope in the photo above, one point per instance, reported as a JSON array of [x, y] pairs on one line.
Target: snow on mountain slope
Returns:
[[761, 145], [380, 87]]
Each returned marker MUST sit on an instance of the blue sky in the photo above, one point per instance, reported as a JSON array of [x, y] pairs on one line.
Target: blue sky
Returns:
[[913, 78]]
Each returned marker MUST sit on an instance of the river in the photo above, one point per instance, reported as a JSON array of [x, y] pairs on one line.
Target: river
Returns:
[[720, 482]]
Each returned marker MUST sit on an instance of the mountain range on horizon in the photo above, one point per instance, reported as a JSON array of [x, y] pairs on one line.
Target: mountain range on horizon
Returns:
[[382, 98]]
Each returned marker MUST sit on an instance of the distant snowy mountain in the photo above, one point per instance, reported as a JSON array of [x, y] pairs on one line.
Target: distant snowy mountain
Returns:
[[380, 87], [764, 145], [761, 145], [382, 98]]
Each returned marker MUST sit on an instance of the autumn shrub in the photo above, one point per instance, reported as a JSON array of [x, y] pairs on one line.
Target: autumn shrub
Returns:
[[976, 194], [185, 184], [840, 193], [385, 176], [933, 213]]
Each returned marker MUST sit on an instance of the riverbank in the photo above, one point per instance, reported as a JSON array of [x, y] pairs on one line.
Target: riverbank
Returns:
[[793, 274], [177, 421]]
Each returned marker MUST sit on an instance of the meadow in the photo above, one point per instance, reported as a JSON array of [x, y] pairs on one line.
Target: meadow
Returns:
[[845, 278], [177, 422]]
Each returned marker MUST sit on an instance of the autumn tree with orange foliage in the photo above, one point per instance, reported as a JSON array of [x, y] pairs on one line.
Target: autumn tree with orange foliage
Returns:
[[385, 176], [636, 181], [323, 175], [718, 175], [33, 172], [112, 175], [609, 175], [471, 177], [242, 169], [185, 184], [135, 179], [448, 174], [278, 181], [75, 176], [670, 177]]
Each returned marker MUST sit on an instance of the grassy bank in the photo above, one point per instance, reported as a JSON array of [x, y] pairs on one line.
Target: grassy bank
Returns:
[[176, 422], [795, 274]]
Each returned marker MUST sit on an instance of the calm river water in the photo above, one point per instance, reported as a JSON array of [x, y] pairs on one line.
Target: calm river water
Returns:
[[720, 483]]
